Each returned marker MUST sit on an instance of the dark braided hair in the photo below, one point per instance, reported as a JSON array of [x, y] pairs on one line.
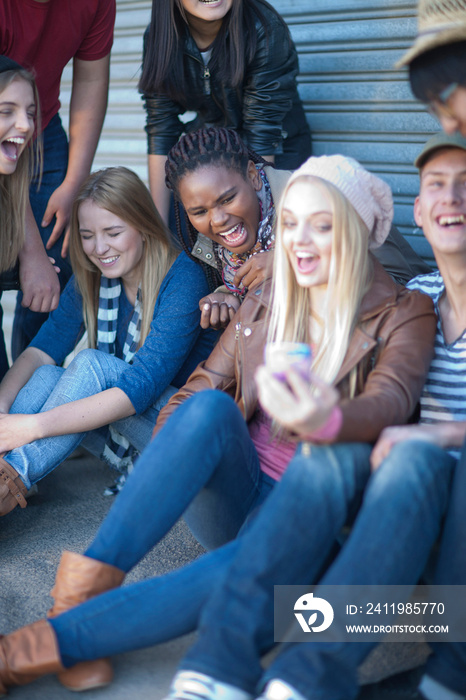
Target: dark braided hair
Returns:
[[216, 146]]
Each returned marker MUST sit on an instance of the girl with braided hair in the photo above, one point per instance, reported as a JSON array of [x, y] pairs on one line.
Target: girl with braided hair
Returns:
[[234, 64], [227, 194]]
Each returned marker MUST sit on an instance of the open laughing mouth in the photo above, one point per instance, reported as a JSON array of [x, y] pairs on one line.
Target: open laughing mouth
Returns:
[[109, 261], [451, 220], [235, 236], [11, 147], [306, 262]]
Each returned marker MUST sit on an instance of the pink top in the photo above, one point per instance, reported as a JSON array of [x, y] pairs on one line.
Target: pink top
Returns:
[[274, 453]]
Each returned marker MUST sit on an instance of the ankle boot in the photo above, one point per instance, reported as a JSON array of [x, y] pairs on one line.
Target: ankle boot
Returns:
[[12, 489], [80, 578], [27, 654]]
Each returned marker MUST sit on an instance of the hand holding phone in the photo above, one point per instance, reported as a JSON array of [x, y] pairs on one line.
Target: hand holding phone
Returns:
[[289, 391], [280, 356]]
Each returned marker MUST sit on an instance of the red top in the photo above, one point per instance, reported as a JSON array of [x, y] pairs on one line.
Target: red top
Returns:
[[44, 36]]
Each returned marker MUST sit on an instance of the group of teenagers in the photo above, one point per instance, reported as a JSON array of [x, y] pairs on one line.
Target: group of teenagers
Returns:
[[173, 390], [232, 63]]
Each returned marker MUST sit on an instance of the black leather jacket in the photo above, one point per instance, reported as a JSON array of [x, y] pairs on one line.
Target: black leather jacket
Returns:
[[266, 110]]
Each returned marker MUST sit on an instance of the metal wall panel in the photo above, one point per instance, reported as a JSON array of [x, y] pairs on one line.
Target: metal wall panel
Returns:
[[356, 102]]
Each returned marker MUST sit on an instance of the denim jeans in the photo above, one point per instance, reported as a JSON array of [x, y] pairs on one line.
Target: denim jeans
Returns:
[[141, 614], [90, 372], [447, 665], [165, 607], [55, 162], [202, 464], [390, 541]]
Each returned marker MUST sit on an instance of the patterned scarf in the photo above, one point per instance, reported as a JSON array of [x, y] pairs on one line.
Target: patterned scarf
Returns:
[[118, 452], [231, 262]]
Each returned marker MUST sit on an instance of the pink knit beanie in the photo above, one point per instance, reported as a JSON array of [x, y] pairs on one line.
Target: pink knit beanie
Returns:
[[369, 195]]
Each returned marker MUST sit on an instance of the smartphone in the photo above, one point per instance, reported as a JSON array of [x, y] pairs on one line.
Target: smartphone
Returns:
[[282, 355]]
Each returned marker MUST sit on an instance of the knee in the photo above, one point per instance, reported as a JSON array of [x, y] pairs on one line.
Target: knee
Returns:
[[96, 367], [44, 380], [85, 359], [93, 371], [35, 393], [336, 473], [343, 466], [420, 469], [48, 375], [208, 410]]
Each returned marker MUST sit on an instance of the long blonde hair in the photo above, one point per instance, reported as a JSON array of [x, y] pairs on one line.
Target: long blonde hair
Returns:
[[14, 188], [121, 192], [350, 275]]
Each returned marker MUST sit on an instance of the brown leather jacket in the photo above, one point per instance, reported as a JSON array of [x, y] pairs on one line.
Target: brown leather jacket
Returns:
[[392, 348]]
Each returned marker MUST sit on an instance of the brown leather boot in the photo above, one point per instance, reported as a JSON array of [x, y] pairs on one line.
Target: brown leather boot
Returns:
[[12, 489], [78, 579], [27, 654]]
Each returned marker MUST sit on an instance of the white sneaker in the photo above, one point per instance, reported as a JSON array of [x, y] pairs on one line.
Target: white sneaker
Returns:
[[190, 685], [279, 690]]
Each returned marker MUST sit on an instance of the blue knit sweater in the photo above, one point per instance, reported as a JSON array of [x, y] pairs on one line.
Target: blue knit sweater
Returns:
[[172, 350]]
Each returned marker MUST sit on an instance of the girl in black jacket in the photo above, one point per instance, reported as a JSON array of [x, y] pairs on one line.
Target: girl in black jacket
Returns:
[[234, 64]]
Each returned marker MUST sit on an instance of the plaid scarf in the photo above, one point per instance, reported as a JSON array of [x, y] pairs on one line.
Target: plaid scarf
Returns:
[[231, 262], [118, 452]]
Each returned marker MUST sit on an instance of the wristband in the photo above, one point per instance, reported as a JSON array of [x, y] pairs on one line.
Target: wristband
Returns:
[[328, 431]]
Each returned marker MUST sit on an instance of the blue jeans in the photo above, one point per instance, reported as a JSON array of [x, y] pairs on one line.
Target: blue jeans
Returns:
[[203, 464], [447, 665], [90, 372], [27, 323], [142, 614], [165, 607], [389, 544]]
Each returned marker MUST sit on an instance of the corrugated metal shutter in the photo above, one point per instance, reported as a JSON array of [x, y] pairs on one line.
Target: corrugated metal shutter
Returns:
[[356, 102]]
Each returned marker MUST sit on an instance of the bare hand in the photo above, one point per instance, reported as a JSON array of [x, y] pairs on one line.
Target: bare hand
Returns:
[[217, 309], [389, 437], [292, 403], [16, 430], [55, 267], [255, 270], [39, 283], [59, 205]]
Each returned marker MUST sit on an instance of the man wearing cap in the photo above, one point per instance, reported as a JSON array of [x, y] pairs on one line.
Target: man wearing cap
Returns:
[[440, 209], [43, 36], [437, 61]]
